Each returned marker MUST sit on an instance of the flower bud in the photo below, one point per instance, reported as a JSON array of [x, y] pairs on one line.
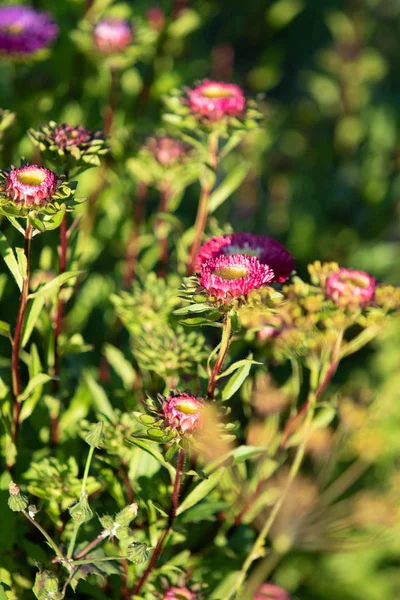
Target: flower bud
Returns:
[[179, 593], [137, 552], [126, 515], [46, 586], [268, 591], [17, 501], [95, 436], [81, 511], [183, 412], [112, 35]]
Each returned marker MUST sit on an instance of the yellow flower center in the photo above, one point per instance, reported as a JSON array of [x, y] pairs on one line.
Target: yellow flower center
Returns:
[[356, 280], [14, 29], [186, 408], [214, 91], [32, 177], [232, 272]]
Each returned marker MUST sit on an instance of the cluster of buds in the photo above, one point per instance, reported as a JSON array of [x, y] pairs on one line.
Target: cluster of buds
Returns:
[[24, 31], [307, 318], [214, 106], [232, 267], [71, 147]]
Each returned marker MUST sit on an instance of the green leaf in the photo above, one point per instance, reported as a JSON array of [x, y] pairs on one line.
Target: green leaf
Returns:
[[101, 402], [192, 308], [36, 382], [200, 491], [55, 221], [55, 284], [237, 365], [2, 593], [152, 450], [10, 260], [230, 184], [121, 365], [5, 329], [236, 380], [34, 313]]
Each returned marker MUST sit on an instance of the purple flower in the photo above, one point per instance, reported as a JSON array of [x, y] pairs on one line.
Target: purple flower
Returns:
[[31, 185], [349, 286], [183, 412], [229, 277], [112, 35], [24, 30], [267, 250]]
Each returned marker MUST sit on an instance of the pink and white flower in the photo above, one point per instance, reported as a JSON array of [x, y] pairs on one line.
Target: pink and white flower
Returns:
[[229, 277], [183, 412], [267, 250], [350, 286], [216, 100], [179, 593], [112, 35], [166, 150], [31, 185], [268, 591]]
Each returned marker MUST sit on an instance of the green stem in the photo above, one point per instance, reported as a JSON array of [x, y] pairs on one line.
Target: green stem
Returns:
[[45, 534], [84, 481], [223, 350], [258, 546], [89, 561]]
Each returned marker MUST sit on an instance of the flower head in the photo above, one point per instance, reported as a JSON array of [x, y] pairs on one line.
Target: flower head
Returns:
[[24, 30], [183, 412], [350, 286], [229, 277], [179, 593], [166, 150], [267, 250], [31, 185], [268, 591], [112, 35], [216, 100]]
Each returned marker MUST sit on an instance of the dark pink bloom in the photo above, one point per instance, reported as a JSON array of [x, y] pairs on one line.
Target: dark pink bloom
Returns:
[[268, 591], [228, 277], [183, 412], [24, 30], [166, 150], [31, 185], [215, 100], [267, 250], [156, 17], [66, 136], [179, 593], [348, 285], [112, 35]]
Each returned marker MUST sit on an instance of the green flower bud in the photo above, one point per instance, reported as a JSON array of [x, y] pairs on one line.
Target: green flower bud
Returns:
[[81, 511], [126, 515], [46, 586], [17, 501], [107, 522], [95, 436], [137, 552]]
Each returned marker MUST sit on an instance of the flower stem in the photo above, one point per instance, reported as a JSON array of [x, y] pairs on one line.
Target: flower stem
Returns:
[[257, 549], [83, 490], [89, 561], [165, 194], [23, 300], [132, 250], [45, 534], [225, 341], [170, 522], [202, 212]]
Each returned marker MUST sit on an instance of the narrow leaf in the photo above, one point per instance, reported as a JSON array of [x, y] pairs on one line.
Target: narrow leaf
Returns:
[[10, 260], [101, 402], [236, 381], [36, 382], [34, 313], [200, 491], [237, 365], [152, 450], [192, 308], [55, 284], [228, 187]]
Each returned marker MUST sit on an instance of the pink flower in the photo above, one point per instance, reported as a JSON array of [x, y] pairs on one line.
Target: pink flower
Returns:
[[267, 250], [179, 593], [112, 35], [31, 185], [268, 591], [215, 100], [183, 412], [228, 277], [156, 17], [347, 286], [166, 150]]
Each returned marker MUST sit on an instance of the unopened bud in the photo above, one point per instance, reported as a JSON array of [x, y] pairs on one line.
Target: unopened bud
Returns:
[[127, 514], [46, 586], [95, 436], [81, 511], [16, 501]]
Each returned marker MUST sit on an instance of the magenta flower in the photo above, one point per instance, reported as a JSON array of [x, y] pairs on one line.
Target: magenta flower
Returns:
[[267, 250], [179, 593], [183, 412], [24, 30], [65, 136], [166, 150], [216, 100], [347, 286], [31, 185], [268, 591], [228, 277], [112, 35]]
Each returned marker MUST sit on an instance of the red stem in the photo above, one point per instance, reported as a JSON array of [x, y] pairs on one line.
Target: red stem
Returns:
[[100, 538], [202, 212], [225, 343], [23, 300], [165, 194], [170, 522], [132, 250]]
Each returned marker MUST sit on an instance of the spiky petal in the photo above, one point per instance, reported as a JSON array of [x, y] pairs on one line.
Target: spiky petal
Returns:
[[229, 277], [183, 412], [349, 286], [30, 185], [24, 30], [216, 100], [112, 35], [267, 250]]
